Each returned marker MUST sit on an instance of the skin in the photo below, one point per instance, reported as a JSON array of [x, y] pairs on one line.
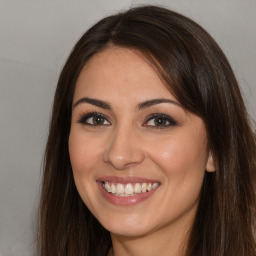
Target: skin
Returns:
[[129, 143]]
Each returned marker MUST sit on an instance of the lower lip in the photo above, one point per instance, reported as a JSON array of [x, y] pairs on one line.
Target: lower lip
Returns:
[[125, 201]]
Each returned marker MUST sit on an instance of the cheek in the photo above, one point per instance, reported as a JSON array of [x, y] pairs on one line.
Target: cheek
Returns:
[[180, 156], [83, 154], [182, 161]]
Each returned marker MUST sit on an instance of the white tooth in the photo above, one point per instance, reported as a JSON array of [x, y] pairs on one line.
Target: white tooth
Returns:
[[120, 188], [113, 188], [144, 187], [155, 185], [149, 187], [128, 189], [107, 187], [137, 188]]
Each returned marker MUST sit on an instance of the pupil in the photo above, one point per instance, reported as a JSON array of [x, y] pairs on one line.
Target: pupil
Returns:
[[160, 122], [98, 120]]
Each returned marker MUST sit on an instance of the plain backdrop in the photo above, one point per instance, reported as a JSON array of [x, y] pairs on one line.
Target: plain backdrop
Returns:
[[35, 39]]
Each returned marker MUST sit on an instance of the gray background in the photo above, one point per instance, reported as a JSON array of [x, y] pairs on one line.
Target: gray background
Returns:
[[35, 39]]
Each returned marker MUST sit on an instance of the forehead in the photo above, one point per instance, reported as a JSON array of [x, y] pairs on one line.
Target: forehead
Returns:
[[120, 72]]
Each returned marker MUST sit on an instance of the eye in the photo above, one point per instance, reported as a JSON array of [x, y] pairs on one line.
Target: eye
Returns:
[[94, 119], [160, 121]]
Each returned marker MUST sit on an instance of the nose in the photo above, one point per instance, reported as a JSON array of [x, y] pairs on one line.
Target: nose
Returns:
[[124, 149]]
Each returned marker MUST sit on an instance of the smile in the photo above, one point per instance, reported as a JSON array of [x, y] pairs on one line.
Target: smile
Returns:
[[129, 189]]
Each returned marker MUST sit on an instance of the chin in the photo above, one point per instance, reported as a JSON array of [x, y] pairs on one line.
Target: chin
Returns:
[[131, 226], [128, 231]]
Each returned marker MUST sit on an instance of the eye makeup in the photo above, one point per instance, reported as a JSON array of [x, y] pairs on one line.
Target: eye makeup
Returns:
[[159, 121], [153, 121], [93, 119]]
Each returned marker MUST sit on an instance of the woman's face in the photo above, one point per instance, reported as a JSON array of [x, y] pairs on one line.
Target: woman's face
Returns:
[[138, 157]]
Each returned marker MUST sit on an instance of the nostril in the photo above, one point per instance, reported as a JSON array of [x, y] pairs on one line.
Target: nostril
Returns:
[[123, 158]]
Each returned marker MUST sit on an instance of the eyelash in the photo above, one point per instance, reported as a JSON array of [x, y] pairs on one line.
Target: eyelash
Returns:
[[153, 117], [84, 119], [165, 118]]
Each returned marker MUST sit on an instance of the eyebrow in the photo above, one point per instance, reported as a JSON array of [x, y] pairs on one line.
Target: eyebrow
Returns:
[[95, 102], [140, 106], [152, 102]]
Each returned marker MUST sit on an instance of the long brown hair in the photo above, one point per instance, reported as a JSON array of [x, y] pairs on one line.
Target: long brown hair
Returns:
[[198, 74]]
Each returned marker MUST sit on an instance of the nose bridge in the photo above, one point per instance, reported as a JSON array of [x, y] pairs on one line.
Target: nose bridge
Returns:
[[124, 149]]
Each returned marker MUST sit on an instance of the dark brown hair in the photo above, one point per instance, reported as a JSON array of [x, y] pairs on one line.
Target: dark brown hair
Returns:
[[198, 74]]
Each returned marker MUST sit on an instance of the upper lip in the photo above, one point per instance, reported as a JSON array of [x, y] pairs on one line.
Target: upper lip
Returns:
[[125, 180]]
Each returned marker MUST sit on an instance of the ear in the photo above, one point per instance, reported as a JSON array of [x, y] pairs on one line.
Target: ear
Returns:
[[210, 165]]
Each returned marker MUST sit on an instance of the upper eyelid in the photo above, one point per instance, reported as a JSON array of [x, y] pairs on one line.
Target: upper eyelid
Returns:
[[90, 115], [171, 120], [155, 115]]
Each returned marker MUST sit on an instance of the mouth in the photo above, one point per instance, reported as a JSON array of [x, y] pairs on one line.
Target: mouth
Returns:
[[126, 191], [129, 189]]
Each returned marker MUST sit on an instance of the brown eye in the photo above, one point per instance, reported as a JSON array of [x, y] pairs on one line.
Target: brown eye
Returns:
[[94, 119], [98, 120], [160, 121]]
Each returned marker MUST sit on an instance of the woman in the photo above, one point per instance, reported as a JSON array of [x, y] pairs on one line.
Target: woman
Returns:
[[150, 150]]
